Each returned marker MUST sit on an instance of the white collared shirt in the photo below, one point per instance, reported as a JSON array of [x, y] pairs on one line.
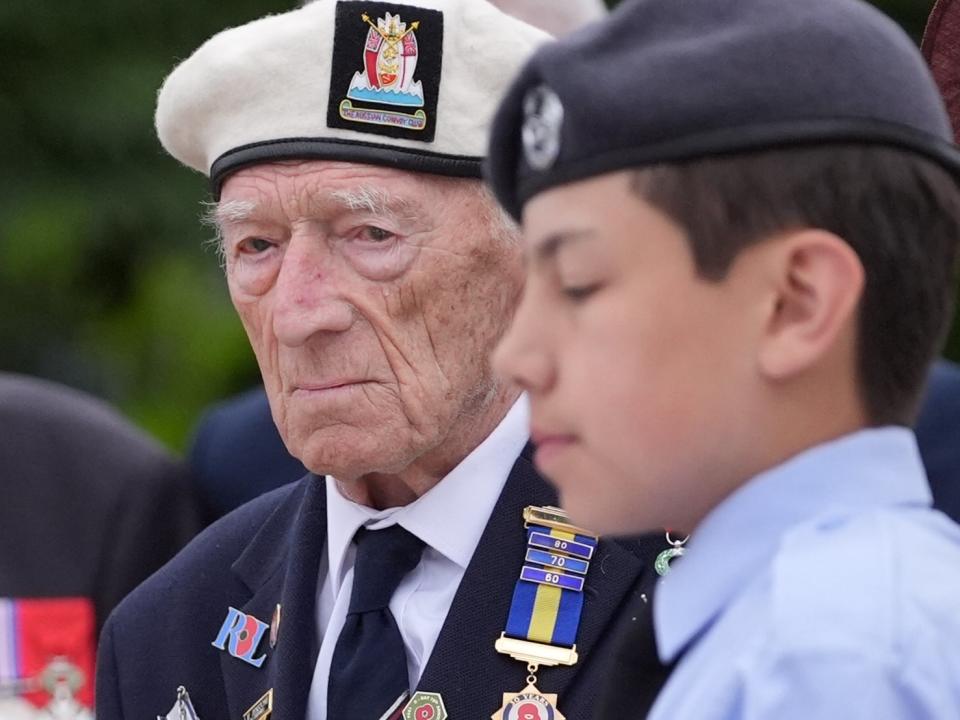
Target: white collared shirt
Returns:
[[450, 520]]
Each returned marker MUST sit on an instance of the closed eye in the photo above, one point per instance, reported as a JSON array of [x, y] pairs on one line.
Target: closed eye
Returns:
[[579, 293]]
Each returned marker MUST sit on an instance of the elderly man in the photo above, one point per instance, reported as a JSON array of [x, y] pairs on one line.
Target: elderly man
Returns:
[[237, 454], [426, 574]]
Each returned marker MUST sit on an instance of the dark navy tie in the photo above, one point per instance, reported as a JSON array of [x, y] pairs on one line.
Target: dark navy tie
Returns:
[[636, 675], [368, 671]]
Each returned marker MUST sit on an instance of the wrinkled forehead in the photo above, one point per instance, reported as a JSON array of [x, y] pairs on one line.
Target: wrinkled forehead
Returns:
[[320, 186]]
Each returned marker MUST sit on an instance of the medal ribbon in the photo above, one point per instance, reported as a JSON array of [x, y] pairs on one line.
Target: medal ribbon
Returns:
[[548, 597]]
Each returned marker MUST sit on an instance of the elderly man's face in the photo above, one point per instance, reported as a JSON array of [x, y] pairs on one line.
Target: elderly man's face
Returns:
[[372, 298]]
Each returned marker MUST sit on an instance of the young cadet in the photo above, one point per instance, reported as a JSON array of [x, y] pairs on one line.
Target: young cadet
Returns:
[[741, 223]]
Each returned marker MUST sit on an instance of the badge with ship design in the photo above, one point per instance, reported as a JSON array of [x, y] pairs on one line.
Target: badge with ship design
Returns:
[[385, 77]]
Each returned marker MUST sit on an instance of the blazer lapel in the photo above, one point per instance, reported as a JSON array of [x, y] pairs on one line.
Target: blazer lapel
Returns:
[[281, 566], [464, 667]]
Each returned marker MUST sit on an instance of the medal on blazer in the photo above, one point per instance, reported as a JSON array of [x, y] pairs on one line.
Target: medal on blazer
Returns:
[[182, 709], [545, 612], [262, 709]]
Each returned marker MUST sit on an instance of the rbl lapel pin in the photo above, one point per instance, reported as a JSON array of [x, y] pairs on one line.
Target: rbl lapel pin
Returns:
[[240, 635]]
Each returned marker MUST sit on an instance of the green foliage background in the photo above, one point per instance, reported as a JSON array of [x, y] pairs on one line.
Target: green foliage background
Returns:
[[105, 282]]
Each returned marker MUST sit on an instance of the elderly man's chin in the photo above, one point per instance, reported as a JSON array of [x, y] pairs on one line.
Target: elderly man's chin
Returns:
[[350, 444]]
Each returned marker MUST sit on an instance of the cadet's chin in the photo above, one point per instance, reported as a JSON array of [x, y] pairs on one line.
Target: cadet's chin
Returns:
[[601, 509]]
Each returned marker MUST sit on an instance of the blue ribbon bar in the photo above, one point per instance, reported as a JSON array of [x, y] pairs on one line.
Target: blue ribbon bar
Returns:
[[556, 579], [560, 562], [570, 547], [547, 601]]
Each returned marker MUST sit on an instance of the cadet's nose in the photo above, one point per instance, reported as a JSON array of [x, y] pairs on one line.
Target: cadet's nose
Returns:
[[522, 356]]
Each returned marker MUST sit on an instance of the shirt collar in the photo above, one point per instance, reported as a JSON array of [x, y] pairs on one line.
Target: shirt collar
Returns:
[[450, 517], [870, 468]]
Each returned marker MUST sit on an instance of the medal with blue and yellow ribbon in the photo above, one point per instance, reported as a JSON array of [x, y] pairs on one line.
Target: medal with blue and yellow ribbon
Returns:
[[545, 612]]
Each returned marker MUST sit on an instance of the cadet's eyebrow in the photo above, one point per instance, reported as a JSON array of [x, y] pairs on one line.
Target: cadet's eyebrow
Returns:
[[548, 248]]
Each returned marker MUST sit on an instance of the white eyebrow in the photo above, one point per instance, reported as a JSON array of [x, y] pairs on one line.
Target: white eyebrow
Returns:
[[374, 200], [217, 215]]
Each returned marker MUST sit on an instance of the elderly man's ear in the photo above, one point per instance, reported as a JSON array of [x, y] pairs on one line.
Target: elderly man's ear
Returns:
[[814, 284]]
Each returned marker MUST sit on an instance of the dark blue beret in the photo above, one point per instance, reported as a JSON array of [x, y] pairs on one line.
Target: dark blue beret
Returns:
[[663, 81]]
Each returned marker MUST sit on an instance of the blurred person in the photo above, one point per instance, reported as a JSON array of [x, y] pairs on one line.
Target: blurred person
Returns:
[[91, 507], [732, 304], [237, 454], [373, 274], [938, 428], [938, 436]]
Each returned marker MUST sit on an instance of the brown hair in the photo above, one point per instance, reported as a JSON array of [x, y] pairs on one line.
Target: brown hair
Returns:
[[898, 211]]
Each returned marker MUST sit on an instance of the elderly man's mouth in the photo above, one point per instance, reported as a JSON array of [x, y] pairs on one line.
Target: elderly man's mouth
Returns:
[[327, 389]]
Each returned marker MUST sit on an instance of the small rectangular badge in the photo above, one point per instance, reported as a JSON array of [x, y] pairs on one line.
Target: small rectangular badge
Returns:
[[562, 562], [545, 577], [262, 709], [570, 547], [386, 69]]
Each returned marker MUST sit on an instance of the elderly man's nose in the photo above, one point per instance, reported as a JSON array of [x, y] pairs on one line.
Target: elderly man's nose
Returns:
[[308, 297]]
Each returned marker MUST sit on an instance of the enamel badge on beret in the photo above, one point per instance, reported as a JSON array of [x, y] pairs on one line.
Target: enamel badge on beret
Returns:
[[386, 70]]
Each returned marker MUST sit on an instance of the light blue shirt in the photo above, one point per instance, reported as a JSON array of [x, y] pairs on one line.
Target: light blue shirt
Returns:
[[823, 589]]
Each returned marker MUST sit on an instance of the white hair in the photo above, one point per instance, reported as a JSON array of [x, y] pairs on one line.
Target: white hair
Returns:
[[215, 215]]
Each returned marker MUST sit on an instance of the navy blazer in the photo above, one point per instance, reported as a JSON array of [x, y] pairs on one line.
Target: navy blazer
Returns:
[[938, 433], [269, 552]]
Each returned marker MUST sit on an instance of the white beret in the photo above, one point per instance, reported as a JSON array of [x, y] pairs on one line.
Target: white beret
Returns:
[[412, 86]]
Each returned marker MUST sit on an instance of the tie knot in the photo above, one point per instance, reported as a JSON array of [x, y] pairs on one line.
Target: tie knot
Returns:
[[384, 557]]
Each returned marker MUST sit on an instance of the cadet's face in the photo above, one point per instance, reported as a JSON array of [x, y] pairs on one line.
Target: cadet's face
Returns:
[[630, 360], [372, 299]]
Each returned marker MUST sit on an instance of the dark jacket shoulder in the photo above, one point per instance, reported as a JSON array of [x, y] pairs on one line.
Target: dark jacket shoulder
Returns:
[[162, 633]]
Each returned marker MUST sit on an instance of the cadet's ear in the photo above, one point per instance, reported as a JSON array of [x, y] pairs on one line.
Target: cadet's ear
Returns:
[[818, 281]]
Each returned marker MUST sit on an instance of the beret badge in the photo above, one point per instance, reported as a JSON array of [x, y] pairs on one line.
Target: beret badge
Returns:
[[386, 69], [542, 127]]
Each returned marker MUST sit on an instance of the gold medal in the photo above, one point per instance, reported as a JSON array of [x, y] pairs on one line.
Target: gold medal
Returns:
[[528, 704], [555, 568]]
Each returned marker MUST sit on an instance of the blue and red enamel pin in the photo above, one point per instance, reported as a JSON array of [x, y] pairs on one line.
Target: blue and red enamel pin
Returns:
[[240, 635]]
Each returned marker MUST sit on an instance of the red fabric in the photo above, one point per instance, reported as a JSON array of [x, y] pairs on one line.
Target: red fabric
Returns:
[[48, 628], [941, 48]]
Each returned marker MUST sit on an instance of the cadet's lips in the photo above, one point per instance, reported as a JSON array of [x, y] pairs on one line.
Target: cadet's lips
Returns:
[[549, 446]]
